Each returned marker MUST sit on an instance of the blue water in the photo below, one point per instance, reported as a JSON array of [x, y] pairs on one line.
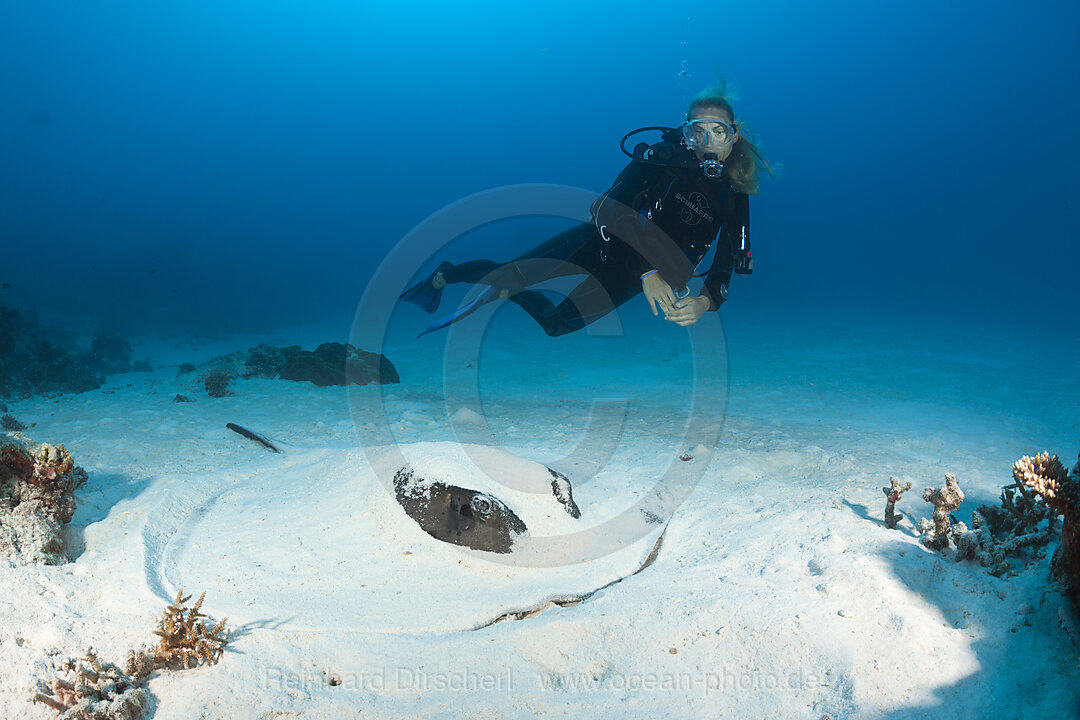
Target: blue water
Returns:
[[213, 167], [201, 176]]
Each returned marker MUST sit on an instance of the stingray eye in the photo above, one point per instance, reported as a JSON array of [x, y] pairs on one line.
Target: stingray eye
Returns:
[[481, 506]]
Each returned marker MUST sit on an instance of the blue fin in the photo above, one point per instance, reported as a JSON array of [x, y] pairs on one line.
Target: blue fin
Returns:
[[464, 311], [423, 294]]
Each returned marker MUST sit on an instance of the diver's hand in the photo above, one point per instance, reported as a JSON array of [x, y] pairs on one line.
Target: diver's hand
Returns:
[[688, 310], [657, 292]]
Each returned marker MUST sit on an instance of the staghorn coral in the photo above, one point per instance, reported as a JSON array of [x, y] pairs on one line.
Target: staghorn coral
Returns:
[[1061, 492], [991, 550], [37, 497], [91, 689], [1020, 512], [1046, 476], [892, 495], [186, 640], [1024, 522], [945, 499]]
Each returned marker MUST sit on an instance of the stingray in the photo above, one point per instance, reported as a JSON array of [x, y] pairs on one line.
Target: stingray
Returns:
[[454, 514], [420, 537], [463, 516]]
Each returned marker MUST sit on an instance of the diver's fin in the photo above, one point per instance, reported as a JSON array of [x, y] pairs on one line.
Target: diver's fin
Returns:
[[423, 294], [489, 294]]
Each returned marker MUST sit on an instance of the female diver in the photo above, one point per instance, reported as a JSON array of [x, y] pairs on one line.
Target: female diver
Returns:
[[647, 234]]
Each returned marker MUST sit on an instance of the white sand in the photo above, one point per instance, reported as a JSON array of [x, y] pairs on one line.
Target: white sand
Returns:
[[777, 592]]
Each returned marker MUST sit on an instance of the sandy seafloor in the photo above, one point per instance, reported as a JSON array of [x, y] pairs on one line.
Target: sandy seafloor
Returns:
[[777, 591]]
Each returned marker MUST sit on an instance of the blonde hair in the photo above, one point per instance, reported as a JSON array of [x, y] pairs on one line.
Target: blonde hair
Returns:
[[742, 165]]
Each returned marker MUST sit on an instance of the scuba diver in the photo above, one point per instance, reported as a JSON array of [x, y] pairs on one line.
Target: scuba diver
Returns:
[[647, 233]]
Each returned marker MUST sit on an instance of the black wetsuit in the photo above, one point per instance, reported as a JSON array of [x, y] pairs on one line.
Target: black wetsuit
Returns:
[[655, 216]]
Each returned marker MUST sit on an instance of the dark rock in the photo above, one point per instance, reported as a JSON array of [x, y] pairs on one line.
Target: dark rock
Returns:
[[338, 364], [185, 368], [368, 367], [264, 361], [181, 398], [311, 368]]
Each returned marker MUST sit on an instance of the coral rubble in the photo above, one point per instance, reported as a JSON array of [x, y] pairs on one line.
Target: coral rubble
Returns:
[[92, 689], [992, 550], [37, 497]]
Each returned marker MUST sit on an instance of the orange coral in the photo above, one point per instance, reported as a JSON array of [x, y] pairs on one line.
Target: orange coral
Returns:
[[185, 638]]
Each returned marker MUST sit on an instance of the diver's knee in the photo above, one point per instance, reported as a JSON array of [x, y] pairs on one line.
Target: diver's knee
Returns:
[[561, 327]]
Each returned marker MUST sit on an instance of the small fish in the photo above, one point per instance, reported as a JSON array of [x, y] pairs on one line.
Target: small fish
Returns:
[[4, 286], [153, 271]]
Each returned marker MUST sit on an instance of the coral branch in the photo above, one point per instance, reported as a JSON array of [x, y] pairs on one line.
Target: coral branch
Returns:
[[892, 495], [185, 639], [945, 500], [91, 689]]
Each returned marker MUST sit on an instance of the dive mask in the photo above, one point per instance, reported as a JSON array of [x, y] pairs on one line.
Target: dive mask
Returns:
[[709, 132]]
